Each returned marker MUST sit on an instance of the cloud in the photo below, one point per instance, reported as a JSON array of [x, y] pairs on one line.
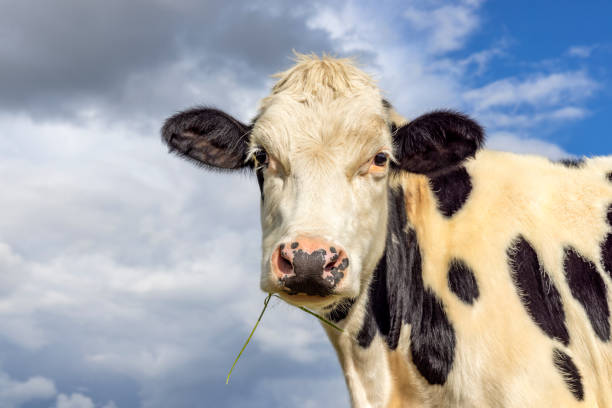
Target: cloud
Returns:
[[76, 56], [77, 400], [581, 51], [481, 59], [496, 119], [15, 393], [447, 27], [509, 142], [74, 401], [541, 90]]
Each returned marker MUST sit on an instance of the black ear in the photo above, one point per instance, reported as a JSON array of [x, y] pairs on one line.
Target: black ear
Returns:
[[209, 137], [437, 140]]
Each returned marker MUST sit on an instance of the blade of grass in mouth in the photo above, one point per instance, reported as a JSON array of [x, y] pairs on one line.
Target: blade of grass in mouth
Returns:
[[249, 338], [266, 301]]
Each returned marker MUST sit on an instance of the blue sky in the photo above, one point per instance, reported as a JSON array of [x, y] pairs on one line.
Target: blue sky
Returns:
[[119, 283], [557, 36]]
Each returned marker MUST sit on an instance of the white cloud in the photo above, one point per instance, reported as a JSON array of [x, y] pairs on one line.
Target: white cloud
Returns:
[[15, 393], [501, 119], [509, 142], [447, 26], [75, 400], [581, 51], [480, 59], [536, 90]]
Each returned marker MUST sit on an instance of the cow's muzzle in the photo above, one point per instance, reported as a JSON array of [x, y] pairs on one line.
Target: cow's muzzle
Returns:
[[310, 266]]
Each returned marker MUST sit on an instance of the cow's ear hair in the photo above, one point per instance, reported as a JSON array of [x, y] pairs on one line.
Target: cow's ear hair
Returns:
[[209, 137], [437, 140]]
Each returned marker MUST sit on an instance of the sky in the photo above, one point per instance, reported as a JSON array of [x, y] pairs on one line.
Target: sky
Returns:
[[119, 283]]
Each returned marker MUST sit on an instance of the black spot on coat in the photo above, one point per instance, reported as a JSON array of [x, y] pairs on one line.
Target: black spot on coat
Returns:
[[570, 373], [452, 190], [462, 282], [576, 163], [341, 310], [606, 246], [537, 292], [397, 296], [610, 176], [588, 287]]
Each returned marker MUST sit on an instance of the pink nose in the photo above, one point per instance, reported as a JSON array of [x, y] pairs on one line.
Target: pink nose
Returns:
[[309, 265]]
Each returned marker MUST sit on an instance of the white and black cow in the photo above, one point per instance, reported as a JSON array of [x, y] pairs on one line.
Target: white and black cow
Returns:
[[462, 277]]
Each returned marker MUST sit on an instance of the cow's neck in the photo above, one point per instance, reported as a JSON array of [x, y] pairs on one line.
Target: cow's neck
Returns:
[[398, 306], [398, 297]]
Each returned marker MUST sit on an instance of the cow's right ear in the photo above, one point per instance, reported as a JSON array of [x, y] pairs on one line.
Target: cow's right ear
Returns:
[[209, 137]]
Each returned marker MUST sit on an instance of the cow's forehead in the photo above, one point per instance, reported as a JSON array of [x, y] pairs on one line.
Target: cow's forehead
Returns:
[[346, 122], [322, 104]]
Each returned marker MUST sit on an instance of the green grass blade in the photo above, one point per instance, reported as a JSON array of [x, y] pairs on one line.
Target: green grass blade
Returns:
[[249, 338], [321, 318]]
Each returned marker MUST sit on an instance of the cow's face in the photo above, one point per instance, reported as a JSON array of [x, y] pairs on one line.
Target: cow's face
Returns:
[[324, 168], [322, 149]]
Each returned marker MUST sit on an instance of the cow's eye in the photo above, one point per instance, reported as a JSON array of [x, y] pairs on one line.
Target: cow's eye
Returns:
[[261, 157], [381, 159]]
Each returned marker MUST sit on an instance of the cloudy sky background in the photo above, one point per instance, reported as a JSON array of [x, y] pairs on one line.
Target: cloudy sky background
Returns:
[[119, 284]]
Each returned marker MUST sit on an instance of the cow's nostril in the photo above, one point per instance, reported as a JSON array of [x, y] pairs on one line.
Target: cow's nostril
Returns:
[[284, 265]]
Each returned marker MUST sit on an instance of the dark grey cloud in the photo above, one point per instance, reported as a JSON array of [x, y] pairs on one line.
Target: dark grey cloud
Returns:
[[59, 57]]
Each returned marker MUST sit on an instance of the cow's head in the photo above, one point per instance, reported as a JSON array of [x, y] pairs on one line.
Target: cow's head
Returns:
[[323, 147]]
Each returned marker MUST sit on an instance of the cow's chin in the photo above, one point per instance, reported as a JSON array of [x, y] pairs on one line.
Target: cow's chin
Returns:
[[309, 301]]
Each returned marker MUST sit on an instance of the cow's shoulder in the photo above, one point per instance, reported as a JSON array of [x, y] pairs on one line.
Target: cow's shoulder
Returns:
[[518, 249]]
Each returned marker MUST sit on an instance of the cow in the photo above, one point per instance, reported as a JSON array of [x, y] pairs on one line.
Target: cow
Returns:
[[461, 276]]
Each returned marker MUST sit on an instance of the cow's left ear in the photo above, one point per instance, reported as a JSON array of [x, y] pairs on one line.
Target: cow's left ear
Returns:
[[209, 137], [436, 140]]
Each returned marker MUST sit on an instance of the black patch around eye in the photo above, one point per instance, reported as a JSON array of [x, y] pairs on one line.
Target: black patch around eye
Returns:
[[397, 296], [536, 290], [452, 190], [569, 372], [576, 163], [606, 246], [588, 287], [462, 282]]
